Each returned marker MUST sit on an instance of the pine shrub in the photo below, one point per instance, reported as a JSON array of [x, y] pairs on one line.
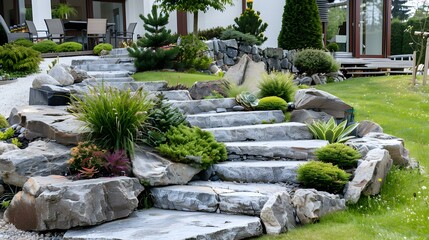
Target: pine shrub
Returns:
[[211, 33], [239, 36], [313, 61], [69, 47], [301, 27], [272, 103], [322, 176], [277, 84], [15, 58], [339, 154], [192, 146], [45, 46], [3, 122], [251, 22], [102, 46], [23, 42]]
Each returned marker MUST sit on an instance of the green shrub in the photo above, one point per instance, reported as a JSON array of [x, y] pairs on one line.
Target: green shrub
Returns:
[[69, 47], [313, 61], [15, 58], [16, 142], [86, 155], [211, 33], [251, 22], [8, 133], [239, 36], [272, 103], [112, 116], [330, 131], [3, 122], [102, 46], [333, 47], [322, 176], [247, 99], [23, 42], [192, 53], [277, 84], [192, 146], [339, 154], [45, 46]]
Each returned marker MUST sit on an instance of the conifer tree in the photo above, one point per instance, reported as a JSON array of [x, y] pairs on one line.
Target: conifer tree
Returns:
[[251, 22], [400, 10]]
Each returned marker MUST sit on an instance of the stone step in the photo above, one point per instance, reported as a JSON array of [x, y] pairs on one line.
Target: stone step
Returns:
[[204, 105], [258, 171], [177, 95], [154, 224], [262, 132], [118, 51], [108, 67], [103, 60], [109, 74], [131, 84], [220, 197], [228, 119], [302, 150], [118, 79]]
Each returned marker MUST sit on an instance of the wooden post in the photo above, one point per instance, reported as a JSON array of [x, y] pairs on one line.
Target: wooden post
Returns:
[[414, 68]]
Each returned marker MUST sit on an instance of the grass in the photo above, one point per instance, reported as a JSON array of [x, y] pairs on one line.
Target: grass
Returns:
[[174, 78], [401, 211]]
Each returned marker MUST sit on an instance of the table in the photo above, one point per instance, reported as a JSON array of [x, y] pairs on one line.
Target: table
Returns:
[[81, 26]]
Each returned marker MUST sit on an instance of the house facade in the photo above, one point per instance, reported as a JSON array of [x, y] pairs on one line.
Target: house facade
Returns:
[[365, 33]]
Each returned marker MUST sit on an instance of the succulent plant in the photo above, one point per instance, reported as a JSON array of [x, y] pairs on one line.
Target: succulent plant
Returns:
[[248, 100]]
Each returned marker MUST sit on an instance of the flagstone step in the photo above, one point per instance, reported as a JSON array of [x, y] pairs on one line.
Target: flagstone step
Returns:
[[108, 67], [227, 119], [109, 74], [131, 84], [258, 171], [103, 60], [117, 79], [118, 51], [155, 224], [262, 132], [220, 197], [204, 105], [273, 150]]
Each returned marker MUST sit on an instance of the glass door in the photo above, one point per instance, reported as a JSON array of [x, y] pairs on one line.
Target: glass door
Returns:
[[371, 27]]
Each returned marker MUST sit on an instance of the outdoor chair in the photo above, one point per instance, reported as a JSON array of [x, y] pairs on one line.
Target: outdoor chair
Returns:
[[56, 30], [34, 33], [12, 36], [96, 30], [127, 35]]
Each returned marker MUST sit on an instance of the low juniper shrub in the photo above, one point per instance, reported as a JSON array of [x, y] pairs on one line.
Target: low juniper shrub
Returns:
[[345, 157], [322, 176]]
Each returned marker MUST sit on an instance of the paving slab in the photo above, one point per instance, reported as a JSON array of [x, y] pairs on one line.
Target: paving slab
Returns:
[[108, 74], [203, 105]]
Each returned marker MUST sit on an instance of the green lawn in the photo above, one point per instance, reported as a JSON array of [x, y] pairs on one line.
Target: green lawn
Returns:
[[402, 209], [174, 78]]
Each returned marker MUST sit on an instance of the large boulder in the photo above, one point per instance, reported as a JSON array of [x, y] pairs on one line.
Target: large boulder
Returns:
[[369, 176], [6, 147], [42, 79], [311, 204], [309, 116], [277, 214], [40, 158], [200, 90], [366, 127], [235, 74], [62, 75], [155, 170], [54, 202], [79, 75], [319, 100], [253, 75]]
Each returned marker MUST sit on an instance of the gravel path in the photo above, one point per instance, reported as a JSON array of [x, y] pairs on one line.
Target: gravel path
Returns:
[[17, 93]]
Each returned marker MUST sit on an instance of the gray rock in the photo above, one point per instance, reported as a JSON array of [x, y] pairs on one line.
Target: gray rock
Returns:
[[246, 203], [366, 127], [232, 43], [311, 204], [178, 95], [273, 53], [202, 89], [369, 176], [54, 202], [262, 132], [255, 50], [212, 120], [42, 79], [220, 110], [236, 73], [221, 187], [308, 116], [321, 100], [79, 75], [54, 88], [304, 80], [40, 158], [253, 75], [277, 214], [231, 52], [6, 147], [245, 48], [228, 61], [158, 171], [214, 69], [209, 44], [203, 105], [154, 224], [59, 73], [151, 86], [238, 108], [274, 64], [316, 79]]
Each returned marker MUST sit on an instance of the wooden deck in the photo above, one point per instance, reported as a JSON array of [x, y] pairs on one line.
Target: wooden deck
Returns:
[[359, 67]]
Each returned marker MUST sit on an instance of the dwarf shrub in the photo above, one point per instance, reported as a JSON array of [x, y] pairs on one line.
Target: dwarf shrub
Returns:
[[277, 84], [333, 47], [272, 103], [23, 42], [86, 155], [239, 36], [192, 53], [3, 122], [313, 61], [192, 146], [45, 46], [69, 47], [339, 154], [15, 58], [211, 33], [322, 176], [102, 46]]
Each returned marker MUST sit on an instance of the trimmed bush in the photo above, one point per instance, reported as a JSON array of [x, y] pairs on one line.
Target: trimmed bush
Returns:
[[3, 122], [102, 46], [333, 47], [313, 61], [339, 154], [272, 103], [322, 176], [15, 58], [211, 33], [192, 146], [69, 47], [277, 84], [23, 42], [239, 36], [45, 46], [192, 53]]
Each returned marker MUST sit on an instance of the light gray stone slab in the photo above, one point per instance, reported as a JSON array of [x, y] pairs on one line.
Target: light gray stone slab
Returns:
[[108, 67], [219, 187], [203, 105], [247, 203], [117, 79], [262, 132], [228, 119], [258, 171], [277, 215], [155, 224], [108, 74], [178, 95]]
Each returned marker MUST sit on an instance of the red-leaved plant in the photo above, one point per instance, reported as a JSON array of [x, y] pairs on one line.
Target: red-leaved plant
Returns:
[[118, 163]]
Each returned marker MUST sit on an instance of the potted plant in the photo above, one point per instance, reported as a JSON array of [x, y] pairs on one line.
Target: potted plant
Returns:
[[64, 11]]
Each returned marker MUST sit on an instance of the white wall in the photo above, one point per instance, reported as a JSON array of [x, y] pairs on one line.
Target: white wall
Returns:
[[271, 13], [41, 11]]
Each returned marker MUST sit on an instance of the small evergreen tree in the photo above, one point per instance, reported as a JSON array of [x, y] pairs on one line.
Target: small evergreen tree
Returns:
[[251, 22], [400, 10], [301, 27], [147, 51]]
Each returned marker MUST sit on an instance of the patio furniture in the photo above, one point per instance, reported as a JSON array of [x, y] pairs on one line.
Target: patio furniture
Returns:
[[56, 30], [127, 35], [12, 36], [34, 33], [96, 30]]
